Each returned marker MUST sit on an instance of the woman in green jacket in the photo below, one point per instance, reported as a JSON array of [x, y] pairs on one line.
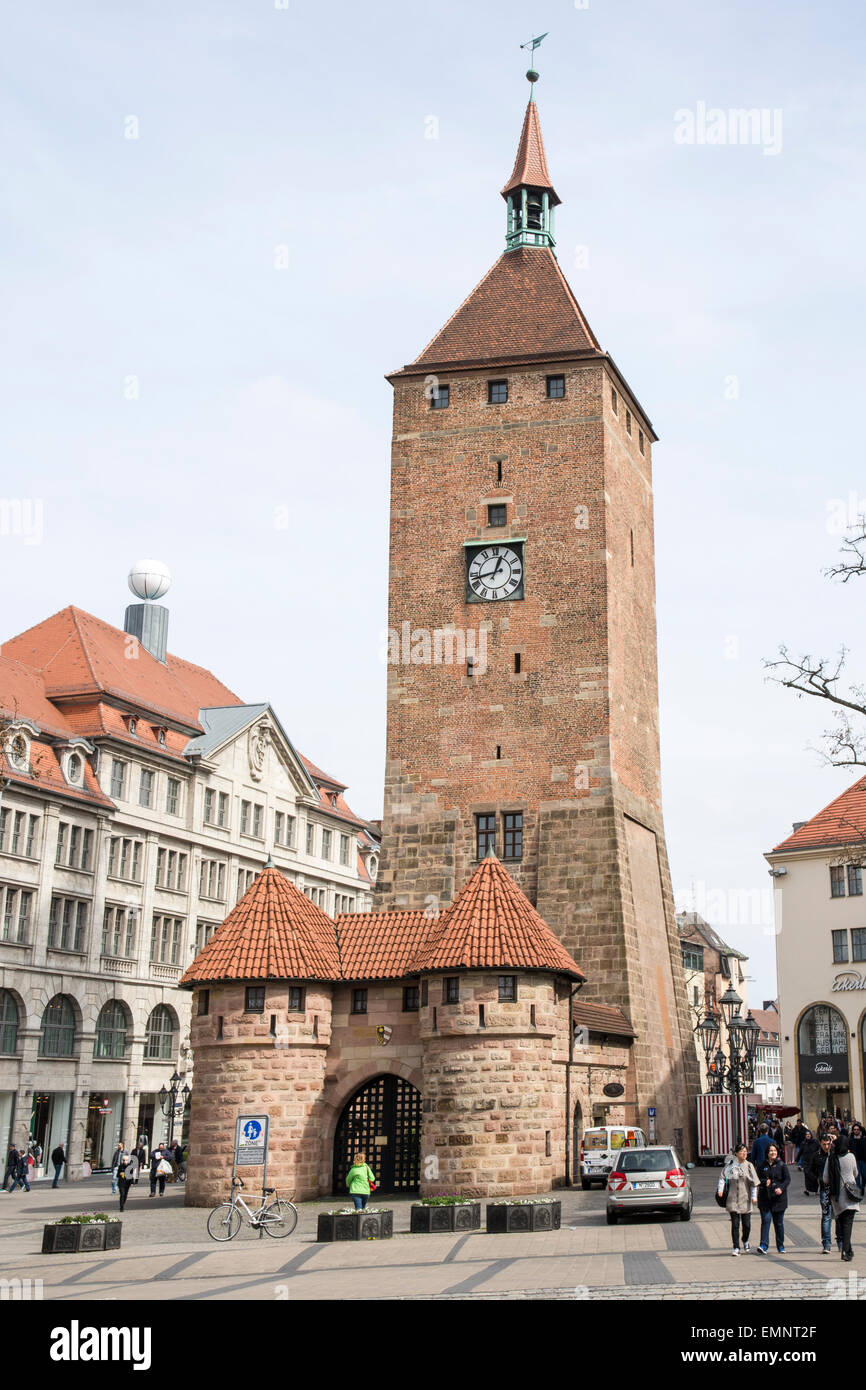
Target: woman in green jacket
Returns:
[[358, 1180]]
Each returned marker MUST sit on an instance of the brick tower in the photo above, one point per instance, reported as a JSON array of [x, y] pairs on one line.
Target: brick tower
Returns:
[[522, 696]]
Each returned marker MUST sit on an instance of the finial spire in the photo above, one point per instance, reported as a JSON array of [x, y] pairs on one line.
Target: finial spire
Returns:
[[529, 193], [532, 75]]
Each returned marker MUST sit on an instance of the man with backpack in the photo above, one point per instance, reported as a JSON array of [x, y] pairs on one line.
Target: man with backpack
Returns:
[[58, 1158]]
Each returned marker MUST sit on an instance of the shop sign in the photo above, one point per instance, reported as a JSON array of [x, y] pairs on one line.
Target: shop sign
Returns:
[[613, 1089], [831, 1067], [848, 979]]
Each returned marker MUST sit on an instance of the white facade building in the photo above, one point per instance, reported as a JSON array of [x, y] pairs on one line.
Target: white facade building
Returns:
[[821, 959], [138, 799]]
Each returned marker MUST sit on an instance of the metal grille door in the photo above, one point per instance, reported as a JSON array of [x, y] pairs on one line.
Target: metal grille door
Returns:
[[383, 1120]]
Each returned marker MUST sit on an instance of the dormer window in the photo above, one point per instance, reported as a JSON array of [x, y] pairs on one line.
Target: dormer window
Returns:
[[160, 737], [74, 769], [132, 726], [334, 800], [18, 752]]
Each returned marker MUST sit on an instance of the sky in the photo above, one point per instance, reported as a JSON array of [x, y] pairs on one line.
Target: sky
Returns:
[[223, 223]]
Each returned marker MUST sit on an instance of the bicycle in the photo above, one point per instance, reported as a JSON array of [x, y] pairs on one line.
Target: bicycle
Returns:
[[278, 1217]]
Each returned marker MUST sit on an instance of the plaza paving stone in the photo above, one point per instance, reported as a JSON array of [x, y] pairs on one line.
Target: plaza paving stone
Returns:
[[167, 1254]]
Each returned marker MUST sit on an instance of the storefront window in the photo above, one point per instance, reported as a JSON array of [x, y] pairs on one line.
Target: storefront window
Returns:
[[822, 1047]]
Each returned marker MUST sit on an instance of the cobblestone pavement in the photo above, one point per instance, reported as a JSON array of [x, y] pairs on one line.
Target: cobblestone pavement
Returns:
[[167, 1254]]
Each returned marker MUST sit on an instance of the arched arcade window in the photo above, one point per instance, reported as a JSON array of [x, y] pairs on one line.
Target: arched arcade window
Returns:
[[111, 1029], [58, 1028], [159, 1042]]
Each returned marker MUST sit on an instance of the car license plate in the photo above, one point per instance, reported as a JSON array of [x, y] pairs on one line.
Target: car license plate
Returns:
[[644, 1185]]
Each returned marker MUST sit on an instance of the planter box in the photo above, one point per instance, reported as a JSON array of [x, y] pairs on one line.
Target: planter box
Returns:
[[462, 1216], [91, 1235], [355, 1225], [525, 1216]]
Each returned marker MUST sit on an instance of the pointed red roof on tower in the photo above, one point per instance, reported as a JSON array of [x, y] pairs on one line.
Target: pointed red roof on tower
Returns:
[[492, 925], [274, 933], [530, 166], [522, 308]]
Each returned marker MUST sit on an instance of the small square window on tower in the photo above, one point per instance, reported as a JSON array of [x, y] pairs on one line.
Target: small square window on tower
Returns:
[[440, 397], [555, 388], [296, 999], [614, 401], [497, 514], [507, 989], [359, 1001], [512, 824], [410, 999], [255, 999], [497, 392], [451, 989]]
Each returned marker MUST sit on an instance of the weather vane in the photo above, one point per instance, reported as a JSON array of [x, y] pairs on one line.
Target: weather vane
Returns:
[[532, 75]]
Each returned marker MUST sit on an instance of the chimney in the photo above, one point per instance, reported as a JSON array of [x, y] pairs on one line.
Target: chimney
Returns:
[[148, 621], [798, 824]]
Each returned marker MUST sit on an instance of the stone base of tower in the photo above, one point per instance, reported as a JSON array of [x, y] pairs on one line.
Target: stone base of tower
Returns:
[[604, 888]]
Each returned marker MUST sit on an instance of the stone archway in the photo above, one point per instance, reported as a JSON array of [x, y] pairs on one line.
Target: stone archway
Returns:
[[382, 1118]]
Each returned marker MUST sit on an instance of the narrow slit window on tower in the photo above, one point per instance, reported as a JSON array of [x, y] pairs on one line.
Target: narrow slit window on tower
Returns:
[[470, 666], [273, 1025], [517, 663], [640, 440], [628, 423], [219, 1026], [434, 1021], [547, 1150], [481, 1022], [498, 751], [497, 514], [423, 994], [614, 401], [499, 470], [532, 1015], [555, 388], [631, 542], [315, 1025], [497, 392]]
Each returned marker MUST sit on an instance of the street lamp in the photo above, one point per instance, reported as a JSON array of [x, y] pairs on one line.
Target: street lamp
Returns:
[[708, 1032], [170, 1105]]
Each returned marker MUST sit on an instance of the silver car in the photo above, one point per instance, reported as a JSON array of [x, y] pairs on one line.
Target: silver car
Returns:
[[651, 1179]]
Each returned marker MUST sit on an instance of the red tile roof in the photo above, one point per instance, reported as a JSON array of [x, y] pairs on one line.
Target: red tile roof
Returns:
[[274, 933], [767, 1020], [843, 822], [492, 925], [380, 945], [602, 1018], [523, 307], [319, 776], [78, 655], [530, 166], [46, 775]]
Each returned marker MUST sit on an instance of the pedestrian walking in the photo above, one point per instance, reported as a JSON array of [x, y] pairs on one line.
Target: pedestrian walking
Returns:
[[815, 1174], [797, 1135], [178, 1158], [742, 1181], [360, 1180], [760, 1146], [58, 1158], [11, 1165], [857, 1146], [127, 1174], [773, 1181], [809, 1151], [160, 1169], [22, 1171], [115, 1161], [840, 1175]]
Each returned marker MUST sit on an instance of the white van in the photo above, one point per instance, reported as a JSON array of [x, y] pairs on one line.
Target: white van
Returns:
[[600, 1148]]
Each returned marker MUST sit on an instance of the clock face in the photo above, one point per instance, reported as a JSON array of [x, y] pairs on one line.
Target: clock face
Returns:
[[495, 572]]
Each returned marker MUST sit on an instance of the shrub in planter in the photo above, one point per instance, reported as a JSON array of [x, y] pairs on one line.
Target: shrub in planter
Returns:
[[87, 1230], [524, 1214], [445, 1213], [374, 1223]]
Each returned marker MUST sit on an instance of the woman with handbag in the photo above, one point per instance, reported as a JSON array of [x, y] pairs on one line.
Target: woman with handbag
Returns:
[[773, 1181], [160, 1169], [738, 1189], [840, 1175], [361, 1181]]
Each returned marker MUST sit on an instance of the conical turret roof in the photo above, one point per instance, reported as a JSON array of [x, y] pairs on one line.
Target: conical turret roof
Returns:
[[530, 166], [492, 925], [274, 933]]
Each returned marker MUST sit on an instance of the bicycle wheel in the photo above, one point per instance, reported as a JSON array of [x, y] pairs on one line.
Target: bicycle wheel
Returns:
[[279, 1219], [224, 1222]]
